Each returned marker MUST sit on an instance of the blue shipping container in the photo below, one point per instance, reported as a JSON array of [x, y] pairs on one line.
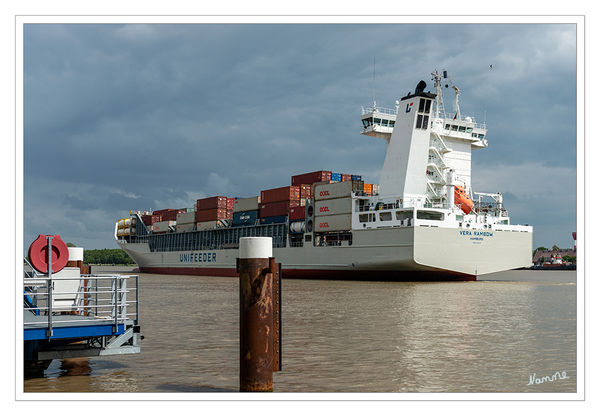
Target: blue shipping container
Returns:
[[245, 218], [336, 177], [356, 177], [274, 220]]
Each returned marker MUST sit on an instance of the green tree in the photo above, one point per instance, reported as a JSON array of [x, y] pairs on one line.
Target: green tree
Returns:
[[71, 245], [107, 256], [555, 248]]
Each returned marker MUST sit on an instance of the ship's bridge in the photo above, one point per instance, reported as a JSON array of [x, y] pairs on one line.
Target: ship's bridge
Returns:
[[378, 122], [464, 128]]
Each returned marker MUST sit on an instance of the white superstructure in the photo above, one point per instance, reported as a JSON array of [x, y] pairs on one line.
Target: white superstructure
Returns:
[[428, 153]]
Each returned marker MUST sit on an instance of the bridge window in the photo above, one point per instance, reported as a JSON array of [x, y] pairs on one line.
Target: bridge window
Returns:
[[469, 129], [447, 127], [385, 216], [392, 122], [424, 105], [366, 217], [367, 122], [384, 123], [377, 121], [454, 128], [461, 128], [481, 136], [422, 121], [430, 215], [403, 215]]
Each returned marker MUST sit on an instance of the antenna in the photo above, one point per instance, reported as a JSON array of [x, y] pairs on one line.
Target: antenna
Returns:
[[373, 84], [456, 106], [439, 99]]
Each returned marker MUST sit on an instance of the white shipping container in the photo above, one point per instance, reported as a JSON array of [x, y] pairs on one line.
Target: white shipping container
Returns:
[[186, 218], [182, 228], [208, 225], [162, 226], [333, 190], [333, 206], [340, 222], [246, 204]]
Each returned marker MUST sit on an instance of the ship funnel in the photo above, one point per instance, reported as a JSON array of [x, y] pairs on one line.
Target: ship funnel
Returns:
[[420, 87]]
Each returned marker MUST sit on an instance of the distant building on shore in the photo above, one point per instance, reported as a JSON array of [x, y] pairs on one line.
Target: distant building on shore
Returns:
[[555, 257]]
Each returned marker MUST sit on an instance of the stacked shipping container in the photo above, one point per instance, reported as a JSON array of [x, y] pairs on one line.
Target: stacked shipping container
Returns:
[[276, 203], [245, 211], [209, 211], [333, 206], [162, 227], [186, 221], [272, 206], [312, 177]]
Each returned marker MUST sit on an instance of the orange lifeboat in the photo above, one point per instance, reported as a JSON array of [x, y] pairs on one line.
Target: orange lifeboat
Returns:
[[462, 199]]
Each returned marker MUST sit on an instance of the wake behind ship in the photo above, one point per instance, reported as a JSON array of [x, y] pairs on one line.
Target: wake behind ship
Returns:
[[422, 222]]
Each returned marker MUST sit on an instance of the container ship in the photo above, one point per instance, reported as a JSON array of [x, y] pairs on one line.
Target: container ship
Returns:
[[422, 221]]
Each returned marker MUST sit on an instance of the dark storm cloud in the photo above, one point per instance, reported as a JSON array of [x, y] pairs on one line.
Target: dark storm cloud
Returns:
[[137, 116]]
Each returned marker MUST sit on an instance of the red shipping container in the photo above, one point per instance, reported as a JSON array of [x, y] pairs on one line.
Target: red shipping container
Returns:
[[160, 211], [312, 177], [230, 203], [297, 213], [346, 177], [213, 202], [305, 191], [286, 193], [277, 208], [171, 214], [211, 214], [147, 220]]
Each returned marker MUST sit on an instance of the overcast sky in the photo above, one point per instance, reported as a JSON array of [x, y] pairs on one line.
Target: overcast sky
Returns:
[[121, 117]]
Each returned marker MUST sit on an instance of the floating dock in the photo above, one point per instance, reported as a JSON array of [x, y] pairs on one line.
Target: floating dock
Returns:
[[70, 314]]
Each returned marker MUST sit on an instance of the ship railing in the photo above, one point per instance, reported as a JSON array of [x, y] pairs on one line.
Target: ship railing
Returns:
[[449, 119], [97, 298], [29, 270], [370, 109]]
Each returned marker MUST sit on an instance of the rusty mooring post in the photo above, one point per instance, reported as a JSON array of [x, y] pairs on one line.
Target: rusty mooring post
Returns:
[[259, 321]]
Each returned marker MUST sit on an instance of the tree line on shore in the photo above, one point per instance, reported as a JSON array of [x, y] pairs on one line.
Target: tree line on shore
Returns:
[[105, 256]]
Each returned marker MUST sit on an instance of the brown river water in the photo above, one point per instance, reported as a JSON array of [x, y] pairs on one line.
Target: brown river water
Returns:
[[347, 336]]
